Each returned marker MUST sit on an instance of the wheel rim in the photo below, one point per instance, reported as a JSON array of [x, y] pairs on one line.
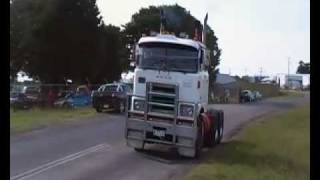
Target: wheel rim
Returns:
[[216, 135]]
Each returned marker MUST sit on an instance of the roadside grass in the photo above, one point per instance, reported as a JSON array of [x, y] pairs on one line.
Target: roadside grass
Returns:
[[25, 120], [291, 93], [276, 147]]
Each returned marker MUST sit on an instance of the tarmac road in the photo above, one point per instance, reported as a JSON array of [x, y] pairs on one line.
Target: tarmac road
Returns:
[[95, 149]]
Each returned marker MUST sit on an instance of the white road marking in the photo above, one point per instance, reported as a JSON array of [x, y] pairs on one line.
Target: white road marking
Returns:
[[58, 162]]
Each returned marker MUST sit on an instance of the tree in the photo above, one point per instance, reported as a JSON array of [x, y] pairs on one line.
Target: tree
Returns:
[[303, 68], [25, 16], [178, 20], [59, 39]]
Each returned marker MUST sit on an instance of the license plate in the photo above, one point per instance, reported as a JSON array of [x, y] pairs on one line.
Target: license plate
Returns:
[[159, 133], [106, 106]]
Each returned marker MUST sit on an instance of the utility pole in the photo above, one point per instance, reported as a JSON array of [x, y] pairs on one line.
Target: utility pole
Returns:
[[288, 66], [287, 80], [260, 72]]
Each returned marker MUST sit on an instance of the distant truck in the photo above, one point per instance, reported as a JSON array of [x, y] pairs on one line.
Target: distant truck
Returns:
[[169, 103]]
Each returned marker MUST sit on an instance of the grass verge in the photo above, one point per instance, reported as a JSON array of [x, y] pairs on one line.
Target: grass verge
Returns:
[[21, 121], [291, 93], [276, 147]]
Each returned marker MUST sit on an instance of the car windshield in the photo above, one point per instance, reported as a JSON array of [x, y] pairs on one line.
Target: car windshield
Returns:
[[111, 88], [17, 89], [32, 90], [169, 57]]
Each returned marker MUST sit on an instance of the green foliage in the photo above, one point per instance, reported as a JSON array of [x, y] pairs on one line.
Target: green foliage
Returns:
[[59, 39]]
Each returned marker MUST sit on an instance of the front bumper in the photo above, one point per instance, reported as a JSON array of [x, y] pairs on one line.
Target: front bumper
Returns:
[[140, 131], [111, 102]]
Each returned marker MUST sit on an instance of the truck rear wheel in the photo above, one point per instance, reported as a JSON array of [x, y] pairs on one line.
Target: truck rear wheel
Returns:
[[212, 137], [221, 126]]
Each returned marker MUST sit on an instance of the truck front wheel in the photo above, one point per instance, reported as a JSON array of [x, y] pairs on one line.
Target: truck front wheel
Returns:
[[213, 136], [196, 150], [200, 138], [98, 110]]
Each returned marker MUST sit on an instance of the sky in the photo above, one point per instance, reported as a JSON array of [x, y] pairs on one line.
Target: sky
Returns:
[[254, 35]]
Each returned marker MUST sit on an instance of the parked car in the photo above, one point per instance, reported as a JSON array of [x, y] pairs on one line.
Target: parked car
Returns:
[[246, 96], [73, 100], [20, 101], [32, 93], [257, 95], [111, 96]]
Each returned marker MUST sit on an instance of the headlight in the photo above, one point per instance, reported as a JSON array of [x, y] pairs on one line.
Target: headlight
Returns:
[[138, 105], [186, 110]]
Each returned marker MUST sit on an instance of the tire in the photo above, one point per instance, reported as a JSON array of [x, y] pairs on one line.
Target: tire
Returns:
[[213, 137], [66, 105], [242, 100], [221, 127], [199, 142], [99, 110]]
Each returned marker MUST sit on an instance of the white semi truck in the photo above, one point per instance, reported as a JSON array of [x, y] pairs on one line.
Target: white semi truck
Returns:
[[169, 104]]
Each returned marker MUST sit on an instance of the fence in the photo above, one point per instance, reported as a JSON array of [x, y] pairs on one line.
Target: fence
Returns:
[[220, 95], [267, 90], [44, 95]]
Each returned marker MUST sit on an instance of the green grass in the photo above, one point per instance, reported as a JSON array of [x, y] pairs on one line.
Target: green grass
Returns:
[[26, 120], [291, 93], [276, 148]]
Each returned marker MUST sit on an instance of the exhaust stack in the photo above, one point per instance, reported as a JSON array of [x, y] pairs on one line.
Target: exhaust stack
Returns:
[[197, 31], [162, 22], [204, 32]]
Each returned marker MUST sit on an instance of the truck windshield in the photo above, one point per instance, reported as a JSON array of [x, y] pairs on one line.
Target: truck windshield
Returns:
[[168, 57]]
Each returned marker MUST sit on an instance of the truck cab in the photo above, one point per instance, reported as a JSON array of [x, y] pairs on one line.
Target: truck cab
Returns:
[[170, 93]]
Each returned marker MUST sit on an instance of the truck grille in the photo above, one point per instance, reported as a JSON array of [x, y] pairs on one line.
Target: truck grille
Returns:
[[162, 99]]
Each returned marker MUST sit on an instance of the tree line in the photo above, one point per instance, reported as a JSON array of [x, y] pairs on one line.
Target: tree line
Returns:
[[55, 40]]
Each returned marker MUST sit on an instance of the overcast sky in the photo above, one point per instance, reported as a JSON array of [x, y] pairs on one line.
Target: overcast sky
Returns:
[[251, 33]]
